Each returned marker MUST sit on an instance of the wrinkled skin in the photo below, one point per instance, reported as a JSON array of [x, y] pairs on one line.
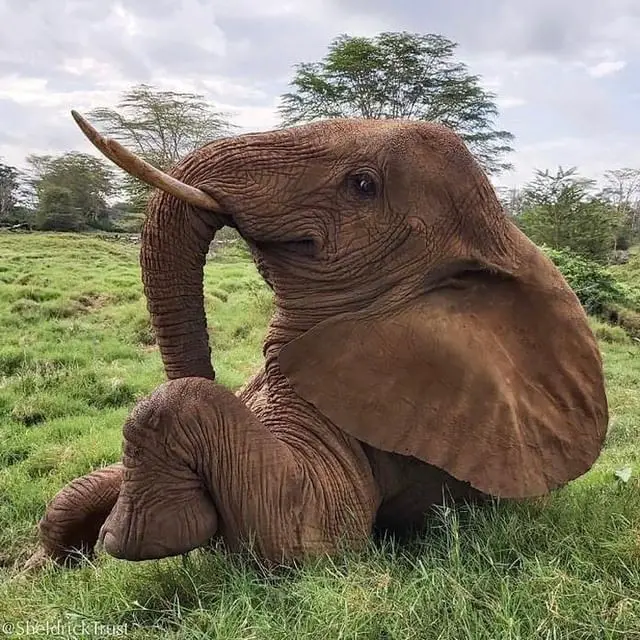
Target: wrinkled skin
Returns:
[[421, 346]]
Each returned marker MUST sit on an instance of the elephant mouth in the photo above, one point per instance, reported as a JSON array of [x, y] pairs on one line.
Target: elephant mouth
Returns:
[[306, 247]]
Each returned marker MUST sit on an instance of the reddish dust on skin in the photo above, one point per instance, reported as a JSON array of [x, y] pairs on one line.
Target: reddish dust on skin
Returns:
[[492, 376]]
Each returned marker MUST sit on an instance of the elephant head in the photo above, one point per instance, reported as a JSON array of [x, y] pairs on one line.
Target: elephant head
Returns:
[[410, 310]]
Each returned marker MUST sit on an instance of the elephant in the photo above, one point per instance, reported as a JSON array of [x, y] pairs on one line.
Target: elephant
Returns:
[[421, 349]]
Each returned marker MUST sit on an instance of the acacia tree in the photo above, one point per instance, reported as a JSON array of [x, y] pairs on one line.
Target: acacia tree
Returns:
[[399, 75], [622, 190], [161, 127]]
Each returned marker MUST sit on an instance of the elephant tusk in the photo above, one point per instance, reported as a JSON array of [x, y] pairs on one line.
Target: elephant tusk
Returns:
[[144, 171]]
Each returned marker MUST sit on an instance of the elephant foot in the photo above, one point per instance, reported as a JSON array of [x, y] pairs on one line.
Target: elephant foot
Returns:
[[163, 508], [157, 528], [70, 526]]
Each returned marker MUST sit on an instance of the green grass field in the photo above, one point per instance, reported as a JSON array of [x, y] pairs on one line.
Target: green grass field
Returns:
[[76, 351]]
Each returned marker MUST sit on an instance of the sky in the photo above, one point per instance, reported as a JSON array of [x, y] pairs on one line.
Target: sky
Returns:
[[566, 72]]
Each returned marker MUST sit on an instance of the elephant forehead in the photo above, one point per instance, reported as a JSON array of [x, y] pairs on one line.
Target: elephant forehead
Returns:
[[402, 135], [360, 131], [387, 127]]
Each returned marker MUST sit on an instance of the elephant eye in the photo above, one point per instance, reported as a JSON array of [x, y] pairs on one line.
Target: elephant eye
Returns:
[[364, 184]]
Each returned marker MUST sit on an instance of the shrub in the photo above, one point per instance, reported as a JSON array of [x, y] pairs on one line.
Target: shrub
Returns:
[[607, 333], [628, 274], [628, 319], [596, 288]]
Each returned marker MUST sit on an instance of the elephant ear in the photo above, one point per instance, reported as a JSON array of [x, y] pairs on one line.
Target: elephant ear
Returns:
[[497, 380]]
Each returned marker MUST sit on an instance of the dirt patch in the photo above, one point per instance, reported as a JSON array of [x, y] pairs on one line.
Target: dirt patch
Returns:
[[93, 301]]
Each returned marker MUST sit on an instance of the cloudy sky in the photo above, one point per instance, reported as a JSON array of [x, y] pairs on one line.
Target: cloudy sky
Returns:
[[566, 72]]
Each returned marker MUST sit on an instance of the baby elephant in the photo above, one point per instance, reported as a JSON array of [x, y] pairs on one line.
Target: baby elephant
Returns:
[[421, 346]]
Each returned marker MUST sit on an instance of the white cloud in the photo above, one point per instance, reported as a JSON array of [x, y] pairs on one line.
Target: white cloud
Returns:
[[23, 90], [126, 20], [84, 66], [251, 119], [508, 102], [606, 68]]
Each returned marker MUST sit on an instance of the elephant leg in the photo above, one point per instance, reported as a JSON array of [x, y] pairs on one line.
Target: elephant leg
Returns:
[[198, 462], [411, 489], [70, 526]]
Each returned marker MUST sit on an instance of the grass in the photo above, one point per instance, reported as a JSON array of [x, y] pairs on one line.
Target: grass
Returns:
[[76, 352]]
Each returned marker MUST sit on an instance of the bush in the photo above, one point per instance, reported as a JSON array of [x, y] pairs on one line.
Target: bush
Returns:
[[628, 319], [607, 333], [628, 275], [596, 288]]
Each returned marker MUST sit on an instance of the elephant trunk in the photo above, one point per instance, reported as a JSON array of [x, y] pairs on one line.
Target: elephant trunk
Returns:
[[181, 224], [72, 521], [175, 241]]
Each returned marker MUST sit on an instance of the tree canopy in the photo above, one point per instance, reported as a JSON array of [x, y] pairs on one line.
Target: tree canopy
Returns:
[[10, 191], [399, 75], [73, 187], [161, 127], [561, 211]]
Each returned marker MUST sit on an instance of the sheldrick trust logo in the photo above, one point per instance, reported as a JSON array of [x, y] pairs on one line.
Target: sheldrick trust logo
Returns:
[[62, 629]]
